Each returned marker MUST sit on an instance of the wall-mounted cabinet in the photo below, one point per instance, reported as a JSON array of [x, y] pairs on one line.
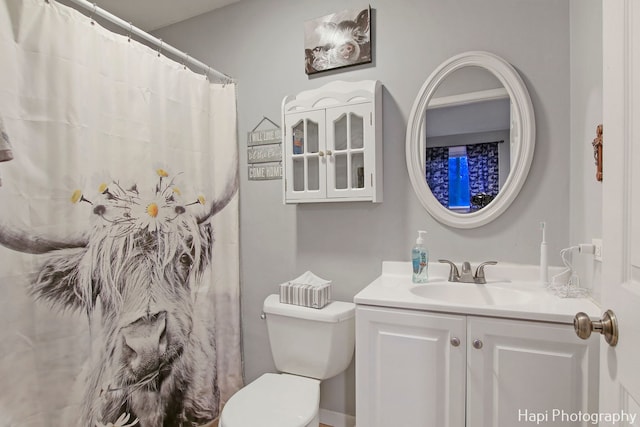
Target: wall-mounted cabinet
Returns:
[[332, 143], [422, 369]]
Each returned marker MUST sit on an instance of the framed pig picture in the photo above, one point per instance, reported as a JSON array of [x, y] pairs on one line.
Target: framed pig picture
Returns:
[[337, 40]]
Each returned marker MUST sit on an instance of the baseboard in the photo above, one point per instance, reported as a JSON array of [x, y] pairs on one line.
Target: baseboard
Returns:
[[336, 419]]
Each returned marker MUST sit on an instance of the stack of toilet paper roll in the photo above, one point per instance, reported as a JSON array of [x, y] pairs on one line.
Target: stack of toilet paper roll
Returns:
[[308, 290]]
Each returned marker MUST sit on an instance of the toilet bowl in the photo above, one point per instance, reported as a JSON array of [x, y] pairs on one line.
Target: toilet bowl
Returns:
[[308, 345]]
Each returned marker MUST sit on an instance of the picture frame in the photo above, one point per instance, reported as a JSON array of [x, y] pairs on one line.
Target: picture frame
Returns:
[[338, 40]]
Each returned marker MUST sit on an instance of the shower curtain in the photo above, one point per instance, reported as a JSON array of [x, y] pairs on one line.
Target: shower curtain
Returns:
[[484, 172], [437, 173], [119, 266]]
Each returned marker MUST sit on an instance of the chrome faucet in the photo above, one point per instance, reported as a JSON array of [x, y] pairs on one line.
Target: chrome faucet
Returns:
[[465, 275]]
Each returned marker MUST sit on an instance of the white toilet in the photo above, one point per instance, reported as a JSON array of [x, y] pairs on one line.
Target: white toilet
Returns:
[[308, 345]]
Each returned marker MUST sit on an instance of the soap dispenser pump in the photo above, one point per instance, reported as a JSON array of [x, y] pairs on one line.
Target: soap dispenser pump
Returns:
[[420, 259]]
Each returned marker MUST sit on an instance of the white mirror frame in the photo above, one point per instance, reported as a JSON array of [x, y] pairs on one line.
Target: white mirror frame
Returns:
[[522, 124]]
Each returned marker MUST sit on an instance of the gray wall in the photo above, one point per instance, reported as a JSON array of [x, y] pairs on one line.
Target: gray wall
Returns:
[[260, 43], [586, 114]]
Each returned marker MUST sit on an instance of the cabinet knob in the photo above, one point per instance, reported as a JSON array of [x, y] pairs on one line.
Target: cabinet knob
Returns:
[[321, 153], [329, 152], [607, 326], [477, 344], [455, 341]]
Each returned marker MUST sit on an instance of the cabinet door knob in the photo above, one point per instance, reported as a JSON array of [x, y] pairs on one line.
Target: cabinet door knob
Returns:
[[455, 341], [477, 344], [329, 152], [321, 153], [607, 326]]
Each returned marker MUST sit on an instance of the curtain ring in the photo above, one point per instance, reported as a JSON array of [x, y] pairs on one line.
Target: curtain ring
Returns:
[[130, 31], [160, 48], [186, 59], [93, 12]]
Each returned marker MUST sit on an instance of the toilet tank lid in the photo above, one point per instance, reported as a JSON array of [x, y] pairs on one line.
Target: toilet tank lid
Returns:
[[335, 311]]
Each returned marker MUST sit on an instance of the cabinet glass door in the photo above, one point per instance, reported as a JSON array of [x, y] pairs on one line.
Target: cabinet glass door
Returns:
[[305, 156], [349, 161]]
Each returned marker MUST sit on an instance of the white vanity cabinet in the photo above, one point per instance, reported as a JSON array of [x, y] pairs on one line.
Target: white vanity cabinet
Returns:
[[332, 143], [408, 372], [417, 368]]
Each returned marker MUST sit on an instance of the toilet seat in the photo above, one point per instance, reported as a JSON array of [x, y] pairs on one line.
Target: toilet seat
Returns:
[[274, 400]]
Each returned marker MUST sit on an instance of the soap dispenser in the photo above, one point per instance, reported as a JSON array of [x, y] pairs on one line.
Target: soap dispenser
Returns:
[[420, 259]]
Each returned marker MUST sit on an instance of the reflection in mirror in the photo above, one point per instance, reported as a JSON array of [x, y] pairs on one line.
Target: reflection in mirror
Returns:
[[467, 159]]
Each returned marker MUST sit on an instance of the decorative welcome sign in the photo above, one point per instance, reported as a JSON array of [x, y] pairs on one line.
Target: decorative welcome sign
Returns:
[[264, 153], [265, 171]]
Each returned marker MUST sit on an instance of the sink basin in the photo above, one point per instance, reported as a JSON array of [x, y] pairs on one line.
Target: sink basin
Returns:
[[471, 294]]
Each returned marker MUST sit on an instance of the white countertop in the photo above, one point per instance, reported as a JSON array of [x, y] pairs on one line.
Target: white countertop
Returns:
[[393, 289]]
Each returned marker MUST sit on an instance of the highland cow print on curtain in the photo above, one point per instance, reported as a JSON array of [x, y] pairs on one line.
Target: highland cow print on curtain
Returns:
[[119, 288]]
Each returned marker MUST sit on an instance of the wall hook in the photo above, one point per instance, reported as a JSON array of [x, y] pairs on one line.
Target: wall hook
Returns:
[[597, 152]]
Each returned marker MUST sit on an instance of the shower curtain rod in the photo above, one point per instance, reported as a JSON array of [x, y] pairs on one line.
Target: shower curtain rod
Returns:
[[162, 46]]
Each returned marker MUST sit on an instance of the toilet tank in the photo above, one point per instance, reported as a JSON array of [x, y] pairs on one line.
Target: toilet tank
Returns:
[[311, 342]]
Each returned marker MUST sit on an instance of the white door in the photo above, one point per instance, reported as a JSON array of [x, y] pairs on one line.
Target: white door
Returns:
[[410, 368], [561, 373], [620, 365]]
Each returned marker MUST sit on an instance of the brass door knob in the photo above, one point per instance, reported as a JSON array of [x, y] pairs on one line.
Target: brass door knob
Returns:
[[607, 326]]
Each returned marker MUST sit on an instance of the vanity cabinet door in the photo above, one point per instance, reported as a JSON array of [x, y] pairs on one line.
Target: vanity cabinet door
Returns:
[[410, 368], [520, 369]]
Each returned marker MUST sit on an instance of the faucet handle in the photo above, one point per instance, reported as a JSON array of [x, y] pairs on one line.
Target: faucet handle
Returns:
[[479, 276], [454, 275]]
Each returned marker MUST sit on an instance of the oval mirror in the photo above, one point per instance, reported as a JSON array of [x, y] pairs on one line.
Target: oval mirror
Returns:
[[470, 139]]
